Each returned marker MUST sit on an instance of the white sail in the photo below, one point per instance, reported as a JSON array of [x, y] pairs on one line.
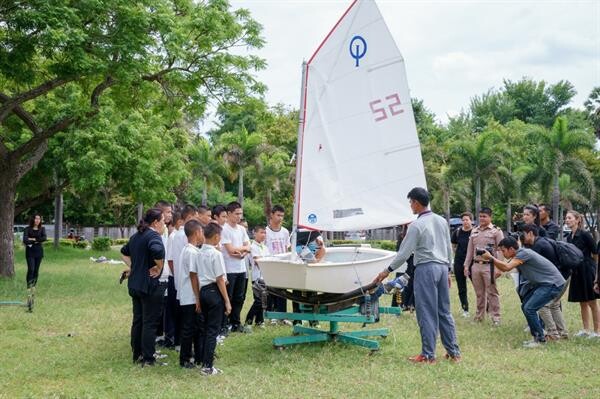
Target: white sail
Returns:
[[360, 154]]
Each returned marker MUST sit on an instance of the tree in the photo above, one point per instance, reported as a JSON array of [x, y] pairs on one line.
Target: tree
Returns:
[[240, 149], [61, 61], [592, 105], [558, 149], [268, 175], [207, 166]]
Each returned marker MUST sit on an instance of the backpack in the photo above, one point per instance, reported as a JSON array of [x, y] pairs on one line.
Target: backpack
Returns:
[[569, 256]]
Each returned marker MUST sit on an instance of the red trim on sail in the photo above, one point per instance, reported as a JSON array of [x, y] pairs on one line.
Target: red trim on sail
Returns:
[[299, 165]]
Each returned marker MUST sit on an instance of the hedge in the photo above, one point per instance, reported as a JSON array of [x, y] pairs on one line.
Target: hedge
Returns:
[[101, 244]]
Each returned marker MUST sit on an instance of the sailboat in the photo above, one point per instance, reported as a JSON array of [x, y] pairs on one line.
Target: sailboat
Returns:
[[358, 153]]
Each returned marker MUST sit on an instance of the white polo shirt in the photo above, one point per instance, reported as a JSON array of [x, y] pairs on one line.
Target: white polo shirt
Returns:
[[236, 236], [189, 257], [177, 245], [209, 265]]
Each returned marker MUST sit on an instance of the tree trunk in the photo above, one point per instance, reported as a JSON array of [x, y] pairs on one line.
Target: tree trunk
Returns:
[[58, 216], [241, 187], [7, 215], [555, 195], [205, 192], [477, 198], [268, 205], [447, 205], [140, 212], [508, 216]]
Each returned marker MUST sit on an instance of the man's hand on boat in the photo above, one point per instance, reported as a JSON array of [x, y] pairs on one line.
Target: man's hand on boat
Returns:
[[381, 276]]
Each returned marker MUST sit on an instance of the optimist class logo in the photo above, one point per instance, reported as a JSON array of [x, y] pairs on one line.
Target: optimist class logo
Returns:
[[358, 48], [312, 218]]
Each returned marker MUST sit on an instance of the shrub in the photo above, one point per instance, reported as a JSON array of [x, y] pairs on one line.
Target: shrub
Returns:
[[83, 244], [101, 244], [120, 241], [387, 245]]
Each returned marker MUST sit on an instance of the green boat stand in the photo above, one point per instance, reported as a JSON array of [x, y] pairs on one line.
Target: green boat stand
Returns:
[[305, 335]]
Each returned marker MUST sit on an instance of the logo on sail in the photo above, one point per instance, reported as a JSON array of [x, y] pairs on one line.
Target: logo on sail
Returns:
[[312, 218], [358, 48]]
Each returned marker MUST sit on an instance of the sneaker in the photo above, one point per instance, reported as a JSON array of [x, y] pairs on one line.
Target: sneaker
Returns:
[[465, 314], [553, 337], [422, 359], [581, 334], [496, 323], [286, 322], [273, 322], [177, 348], [147, 363], [159, 355], [533, 344], [210, 371], [188, 365], [593, 335], [453, 358], [246, 329], [260, 325]]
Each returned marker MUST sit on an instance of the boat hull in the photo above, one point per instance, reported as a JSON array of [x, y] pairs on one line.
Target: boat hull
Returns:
[[343, 269]]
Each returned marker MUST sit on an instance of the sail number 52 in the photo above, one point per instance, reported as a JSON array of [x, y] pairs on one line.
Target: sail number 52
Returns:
[[391, 102]]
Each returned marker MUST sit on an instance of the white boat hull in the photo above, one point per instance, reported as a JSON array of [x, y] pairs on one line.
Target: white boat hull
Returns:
[[344, 269]]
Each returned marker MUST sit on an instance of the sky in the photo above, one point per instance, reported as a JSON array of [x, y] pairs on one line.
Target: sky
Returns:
[[453, 50]]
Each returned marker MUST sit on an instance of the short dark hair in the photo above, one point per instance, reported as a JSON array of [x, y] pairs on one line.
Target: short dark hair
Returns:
[[187, 211], [211, 230], [176, 217], [203, 209], [508, 242], [486, 210], [191, 227], [162, 204], [469, 214], [232, 206], [531, 228], [420, 195], [547, 209], [258, 227], [277, 208], [217, 210]]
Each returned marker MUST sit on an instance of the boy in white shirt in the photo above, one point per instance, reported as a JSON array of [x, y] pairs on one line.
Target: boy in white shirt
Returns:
[[189, 307], [278, 242], [208, 284], [258, 249], [235, 246]]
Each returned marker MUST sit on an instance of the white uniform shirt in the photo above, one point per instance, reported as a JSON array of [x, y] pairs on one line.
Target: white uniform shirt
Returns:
[[189, 257], [209, 266], [278, 242], [257, 250], [166, 271], [236, 236], [177, 245]]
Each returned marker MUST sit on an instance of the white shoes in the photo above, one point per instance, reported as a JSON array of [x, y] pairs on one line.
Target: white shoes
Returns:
[[593, 335], [582, 334], [533, 344], [465, 314]]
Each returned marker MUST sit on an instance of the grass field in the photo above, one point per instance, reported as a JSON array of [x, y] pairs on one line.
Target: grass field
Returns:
[[75, 344]]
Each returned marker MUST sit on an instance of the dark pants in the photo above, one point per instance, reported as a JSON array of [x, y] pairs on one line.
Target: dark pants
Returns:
[[190, 334], [33, 268], [461, 283], [256, 311], [533, 302], [213, 310], [172, 324], [146, 317], [236, 290], [276, 303]]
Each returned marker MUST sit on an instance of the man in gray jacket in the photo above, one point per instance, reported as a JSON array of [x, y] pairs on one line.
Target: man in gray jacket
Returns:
[[428, 238]]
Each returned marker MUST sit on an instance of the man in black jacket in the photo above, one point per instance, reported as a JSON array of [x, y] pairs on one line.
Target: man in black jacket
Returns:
[[552, 229], [551, 314]]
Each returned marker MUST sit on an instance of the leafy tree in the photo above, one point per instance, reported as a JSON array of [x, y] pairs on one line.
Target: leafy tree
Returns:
[[592, 105], [61, 61], [268, 175], [207, 166]]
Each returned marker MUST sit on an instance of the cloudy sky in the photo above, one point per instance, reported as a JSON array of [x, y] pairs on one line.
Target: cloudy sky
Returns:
[[452, 49]]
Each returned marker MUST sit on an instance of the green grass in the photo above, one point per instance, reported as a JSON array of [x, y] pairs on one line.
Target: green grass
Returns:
[[76, 344]]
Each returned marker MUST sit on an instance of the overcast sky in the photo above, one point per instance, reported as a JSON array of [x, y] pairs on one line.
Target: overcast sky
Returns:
[[453, 50]]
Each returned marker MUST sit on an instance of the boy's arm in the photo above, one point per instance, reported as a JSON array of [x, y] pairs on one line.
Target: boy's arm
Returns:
[[223, 291], [196, 289]]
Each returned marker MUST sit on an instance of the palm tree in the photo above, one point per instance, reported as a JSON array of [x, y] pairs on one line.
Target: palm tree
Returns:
[[558, 150], [269, 175], [478, 157], [207, 166], [241, 149]]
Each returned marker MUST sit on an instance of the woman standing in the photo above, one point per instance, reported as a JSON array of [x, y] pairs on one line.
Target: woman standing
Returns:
[[144, 254], [33, 237], [582, 279]]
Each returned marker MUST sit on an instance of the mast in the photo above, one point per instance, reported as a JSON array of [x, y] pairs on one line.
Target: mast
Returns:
[[301, 115]]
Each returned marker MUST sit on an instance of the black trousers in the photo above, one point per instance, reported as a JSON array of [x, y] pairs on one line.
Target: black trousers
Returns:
[[236, 289], [256, 311], [146, 317], [213, 310], [171, 321], [33, 269], [461, 283], [276, 303], [190, 334]]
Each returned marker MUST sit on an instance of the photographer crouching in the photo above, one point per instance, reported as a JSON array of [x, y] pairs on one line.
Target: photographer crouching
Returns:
[[545, 283]]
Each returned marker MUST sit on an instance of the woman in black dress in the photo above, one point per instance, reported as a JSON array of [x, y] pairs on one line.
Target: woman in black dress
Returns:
[[583, 278], [33, 237]]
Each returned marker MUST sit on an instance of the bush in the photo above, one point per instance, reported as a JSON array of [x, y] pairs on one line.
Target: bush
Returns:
[[120, 241], [101, 244], [83, 244], [63, 242], [387, 245]]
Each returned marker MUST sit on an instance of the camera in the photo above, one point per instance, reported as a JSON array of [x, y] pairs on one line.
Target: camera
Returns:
[[481, 251], [518, 233]]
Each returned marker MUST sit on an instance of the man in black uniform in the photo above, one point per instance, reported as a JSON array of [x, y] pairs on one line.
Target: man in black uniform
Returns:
[[460, 241]]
